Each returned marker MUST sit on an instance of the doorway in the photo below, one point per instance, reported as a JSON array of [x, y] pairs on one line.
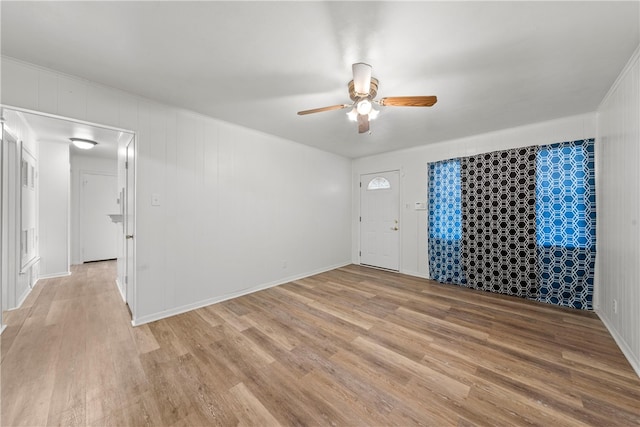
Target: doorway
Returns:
[[379, 220], [51, 134]]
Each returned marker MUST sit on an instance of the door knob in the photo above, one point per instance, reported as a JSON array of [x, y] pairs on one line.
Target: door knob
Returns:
[[395, 228], [129, 236]]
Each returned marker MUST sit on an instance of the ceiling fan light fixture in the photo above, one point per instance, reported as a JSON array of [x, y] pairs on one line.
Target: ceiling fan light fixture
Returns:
[[83, 144], [353, 115], [364, 107], [373, 114]]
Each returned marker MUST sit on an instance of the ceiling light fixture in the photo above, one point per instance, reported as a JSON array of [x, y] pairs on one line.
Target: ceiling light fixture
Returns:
[[364, 107], [84, 144]]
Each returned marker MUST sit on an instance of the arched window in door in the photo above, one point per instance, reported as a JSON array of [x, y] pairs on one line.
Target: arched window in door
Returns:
[[379, 183]]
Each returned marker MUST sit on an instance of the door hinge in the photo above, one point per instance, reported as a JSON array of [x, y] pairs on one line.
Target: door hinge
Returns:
[[126, 165], [360, 219], [360, 253], [126, 280], [360, 185]]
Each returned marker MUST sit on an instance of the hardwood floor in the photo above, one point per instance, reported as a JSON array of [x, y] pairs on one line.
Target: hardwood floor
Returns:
[[353, 346]]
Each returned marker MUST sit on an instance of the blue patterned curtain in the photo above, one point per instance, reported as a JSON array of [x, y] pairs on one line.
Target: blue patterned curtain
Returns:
[[445, 223], [566, 223]]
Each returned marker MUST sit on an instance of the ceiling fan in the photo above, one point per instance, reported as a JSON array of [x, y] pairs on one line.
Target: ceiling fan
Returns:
[[362, 91]]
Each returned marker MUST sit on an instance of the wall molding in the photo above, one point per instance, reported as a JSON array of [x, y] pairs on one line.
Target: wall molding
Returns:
[[622, 344], [415, 274], [124, 299], [23, 297], [53, 275], [188, 307], [632, 60]]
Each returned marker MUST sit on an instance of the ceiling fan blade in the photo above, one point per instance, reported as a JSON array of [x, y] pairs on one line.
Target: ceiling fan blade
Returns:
[[362, 78], [320, 110], [408, 101], [363, 123]]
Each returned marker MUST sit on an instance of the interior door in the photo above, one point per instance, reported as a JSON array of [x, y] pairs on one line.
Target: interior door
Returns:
[[129, 223], [99, 233], [379, 220]]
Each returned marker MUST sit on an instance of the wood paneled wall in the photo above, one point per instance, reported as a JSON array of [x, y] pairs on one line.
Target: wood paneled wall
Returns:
[[239, 210], [618, 211]]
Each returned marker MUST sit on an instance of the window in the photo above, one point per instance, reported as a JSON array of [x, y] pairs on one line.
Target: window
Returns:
[[379, 183]]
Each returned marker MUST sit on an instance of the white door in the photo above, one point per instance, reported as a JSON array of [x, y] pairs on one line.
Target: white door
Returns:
[[379, 220], [129, 224], [99, 233]]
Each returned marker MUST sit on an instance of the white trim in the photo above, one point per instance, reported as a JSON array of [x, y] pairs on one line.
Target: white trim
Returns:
[[53, 276], [628, 353], [416, 274], [632, 60], [2, 328], [66, 118], [22, 298], [30, 264], [183, 309], [124, 298]]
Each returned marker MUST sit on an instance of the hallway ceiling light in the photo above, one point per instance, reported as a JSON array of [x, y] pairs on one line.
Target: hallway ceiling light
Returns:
[[84, 144]]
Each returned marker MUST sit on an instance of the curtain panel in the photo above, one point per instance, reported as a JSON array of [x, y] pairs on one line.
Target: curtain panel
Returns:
[[566, 223], [499, 221], [520, 222], [445, 222]]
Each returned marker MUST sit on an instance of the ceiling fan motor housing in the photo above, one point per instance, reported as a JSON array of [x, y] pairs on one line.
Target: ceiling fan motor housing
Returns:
[[373, 91]]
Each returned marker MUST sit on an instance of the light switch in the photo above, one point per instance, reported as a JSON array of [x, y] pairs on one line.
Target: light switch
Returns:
[[155, 199], [421, 206]]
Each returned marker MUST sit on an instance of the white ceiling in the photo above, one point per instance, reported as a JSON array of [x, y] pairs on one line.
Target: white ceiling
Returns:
[[493, 65]]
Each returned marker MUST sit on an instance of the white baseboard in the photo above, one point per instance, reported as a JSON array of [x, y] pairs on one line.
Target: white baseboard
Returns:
[[53, 275], [183, 309], [415, 274], [120, 290], [634, 359], [23, 297]]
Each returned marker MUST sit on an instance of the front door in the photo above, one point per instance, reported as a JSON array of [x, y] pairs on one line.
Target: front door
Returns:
[[379, 220]]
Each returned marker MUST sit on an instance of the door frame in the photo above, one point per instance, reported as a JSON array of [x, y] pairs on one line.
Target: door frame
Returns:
[[400, 226], [129, 164], [3, 107]]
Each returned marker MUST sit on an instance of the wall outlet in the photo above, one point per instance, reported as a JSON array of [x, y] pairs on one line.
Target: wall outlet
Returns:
[[615, 306]]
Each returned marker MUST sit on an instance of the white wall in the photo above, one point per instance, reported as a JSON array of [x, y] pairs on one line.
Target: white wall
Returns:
[[412, 164], [54, 209], [84, 164], [239, 210], [618, 206]]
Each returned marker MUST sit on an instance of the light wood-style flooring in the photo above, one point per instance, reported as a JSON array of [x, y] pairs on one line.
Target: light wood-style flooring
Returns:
[[350, 347]]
